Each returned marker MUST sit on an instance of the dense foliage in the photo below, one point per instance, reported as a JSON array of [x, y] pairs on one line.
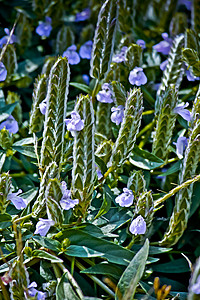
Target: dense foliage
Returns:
[[99, 149]]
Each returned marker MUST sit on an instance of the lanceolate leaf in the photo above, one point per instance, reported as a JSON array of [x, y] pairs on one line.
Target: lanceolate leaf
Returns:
[[129, 128], [83, 172], [104, 39], [174, 71], [10, 61], [54, 126], [128, 282]]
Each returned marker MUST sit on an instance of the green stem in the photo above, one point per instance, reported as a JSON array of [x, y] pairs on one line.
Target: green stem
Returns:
[[4, 291], [57, 271], [175, 190], [132, 242], [146, 128], [95, 279], [72, 265], [22, 218]]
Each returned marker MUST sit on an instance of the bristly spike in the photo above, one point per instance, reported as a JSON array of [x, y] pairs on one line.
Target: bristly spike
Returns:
[[83, 172], [129, 128], [173, 72], [104, 39], [180, 214], [54, 126]]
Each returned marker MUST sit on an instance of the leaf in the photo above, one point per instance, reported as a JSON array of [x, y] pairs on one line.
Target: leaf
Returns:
[[64, 290], [25, 150], [101, 164], [175, 266], [47, 243], [82, 251], [119, 93], [82, 87], [6, 111], [23, 142], [128, 282], [144, 159], [104, 39], [173, 169], [46, 255], [133, 56], [65, 38], [106, 269], [107, 200]]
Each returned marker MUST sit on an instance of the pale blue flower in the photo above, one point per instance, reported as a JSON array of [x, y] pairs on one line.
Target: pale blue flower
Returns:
[[196, 286], [105, 95], [3, 72], [120, 57], [184, 113], [72, 55], [83, 15], [66, 202], [43, 106], [86, 50], [4, 39], [99, 174], [32, 291], [75, 123], [164, 46], [126, 198], [10, 124], [17, 201], [138, 226], [141, 43], [43, 226], [163, 65], [137, 77], [181, 144], [117, 114], [86, 78], [44, 28], [190, 76]]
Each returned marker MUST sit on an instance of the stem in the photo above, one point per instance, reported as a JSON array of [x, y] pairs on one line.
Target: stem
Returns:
[[72, 265], [95, 279], [22, 218], [146, 128], [94, 92], [175, 190], [132, 242], [36, 152], [4, 291], [72, 281], [57, 272]]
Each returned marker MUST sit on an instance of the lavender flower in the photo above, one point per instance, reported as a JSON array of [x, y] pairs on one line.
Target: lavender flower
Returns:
[[43, 226], [164, 46], [4, 39], [86, 50], [184, 113], [196, 286], [10, 124], [17, 201], [190, 76], [120, 57], [99, 174], [3, 72], [181, 144], [44, 28], [105, 95], [32, 292], [66, 202], [72, 55], [163, 65], [83, 15], [137, 77], [126, 198], [141, 43], [43, 106], [86, 78], [138, 226], [75, 123], [117, 114]]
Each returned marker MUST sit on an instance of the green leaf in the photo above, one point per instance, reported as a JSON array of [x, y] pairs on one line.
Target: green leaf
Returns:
[[82, 87], [46, 255], [47, 243], [128, 282], [82, 251], [173, 169], [23, 142], [144, 159], [106, 269], [101, 164], [6, 111], [26, 150], [107, 200], [64, 290], [175, 266]]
